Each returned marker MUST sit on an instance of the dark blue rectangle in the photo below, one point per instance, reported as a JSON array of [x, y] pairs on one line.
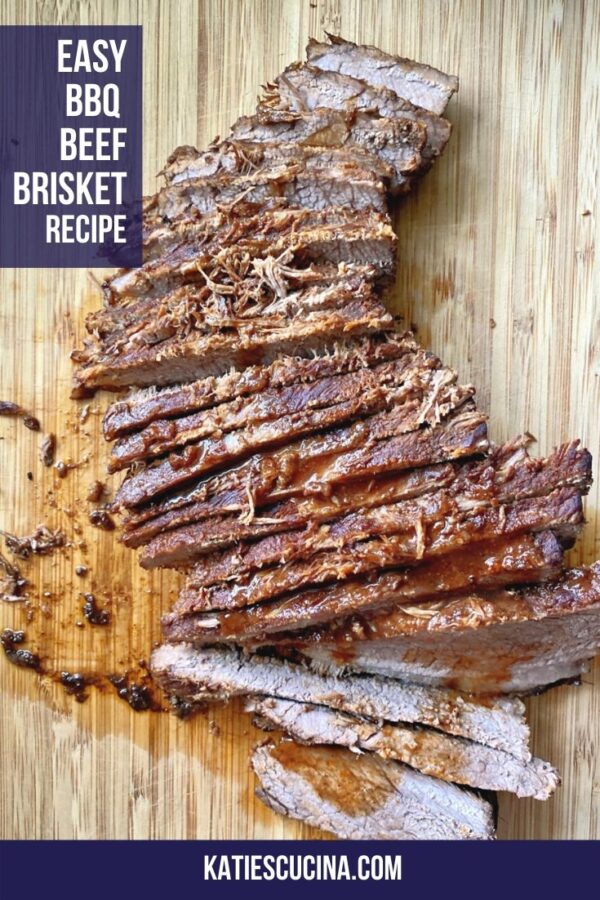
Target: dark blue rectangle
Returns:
[[165, 869], [33, 110]]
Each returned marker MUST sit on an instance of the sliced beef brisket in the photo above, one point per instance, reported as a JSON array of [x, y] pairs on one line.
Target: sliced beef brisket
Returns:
[[217, 521], [451, 759], [394, 535], [328, 458], [210, 674], [261, 293], [420, 84], [506, 561], [306, 89], [365, 797], [329, 485], [183, 253], [143, 407], [389, 147], [504, 641], [509, 474], [165, 358], [313, 180], [166, 435]]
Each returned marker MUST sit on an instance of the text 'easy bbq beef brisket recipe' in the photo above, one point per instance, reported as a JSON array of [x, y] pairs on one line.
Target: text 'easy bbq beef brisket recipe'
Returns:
[[364, 566]]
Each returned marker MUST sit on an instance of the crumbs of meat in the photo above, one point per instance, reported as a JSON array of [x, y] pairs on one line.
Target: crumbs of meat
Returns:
[[92, 613], [75, 685], [47, 449], [41, 542], [184, 708], [12, 584], [100, 518], [138, 696], [8, 408], [95, 492], [18, 656]]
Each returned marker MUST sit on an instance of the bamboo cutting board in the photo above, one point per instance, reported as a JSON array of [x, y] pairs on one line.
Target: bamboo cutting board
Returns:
[[497, 272]]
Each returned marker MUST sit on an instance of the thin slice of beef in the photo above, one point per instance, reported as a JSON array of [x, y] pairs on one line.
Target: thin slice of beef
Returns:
[[225, 451], [505, 476], [340, 182], [365, 797], [217, 521], [395, 535], [166, 435], [217, 674], [306, 89], [142, 407], [421, 84], [503, 641], [176, 358], [439, 755], [196, 311], [506, 561], [256, 293], [246, 156], [394, 145], [416, 404], [222, 228], [278, 475], [187, 253]]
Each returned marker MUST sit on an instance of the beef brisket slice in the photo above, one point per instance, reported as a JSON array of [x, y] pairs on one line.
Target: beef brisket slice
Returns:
[[142, 407], [165, 435], [365, 797], [216, 674], [197, 354], [507, 474], [260, 293], [504, 641], [394, 144], [304, 88], [421, 84], [396, 535], [219, 523], [226, 448], [339, 183], [448, 758], [523, 560], [400, 420], [182, 252], [236, 156]]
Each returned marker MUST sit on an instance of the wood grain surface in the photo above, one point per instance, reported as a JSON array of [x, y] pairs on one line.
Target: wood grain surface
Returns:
[[497, 271]]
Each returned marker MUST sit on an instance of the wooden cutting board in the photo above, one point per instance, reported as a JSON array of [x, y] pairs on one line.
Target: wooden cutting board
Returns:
[[496, 271]]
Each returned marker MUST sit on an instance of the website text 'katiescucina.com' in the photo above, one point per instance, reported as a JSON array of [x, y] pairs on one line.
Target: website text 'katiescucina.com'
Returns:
[[305, 867]]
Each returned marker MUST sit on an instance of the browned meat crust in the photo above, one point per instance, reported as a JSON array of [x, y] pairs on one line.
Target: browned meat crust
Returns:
[[143, 407], [505, 561], [510, 474]]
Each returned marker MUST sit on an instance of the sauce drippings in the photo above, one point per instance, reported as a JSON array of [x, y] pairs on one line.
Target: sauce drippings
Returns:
[[354, 785], [18, 656]]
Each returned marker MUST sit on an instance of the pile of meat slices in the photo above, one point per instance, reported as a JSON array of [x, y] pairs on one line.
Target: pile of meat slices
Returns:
[[375, 578]]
